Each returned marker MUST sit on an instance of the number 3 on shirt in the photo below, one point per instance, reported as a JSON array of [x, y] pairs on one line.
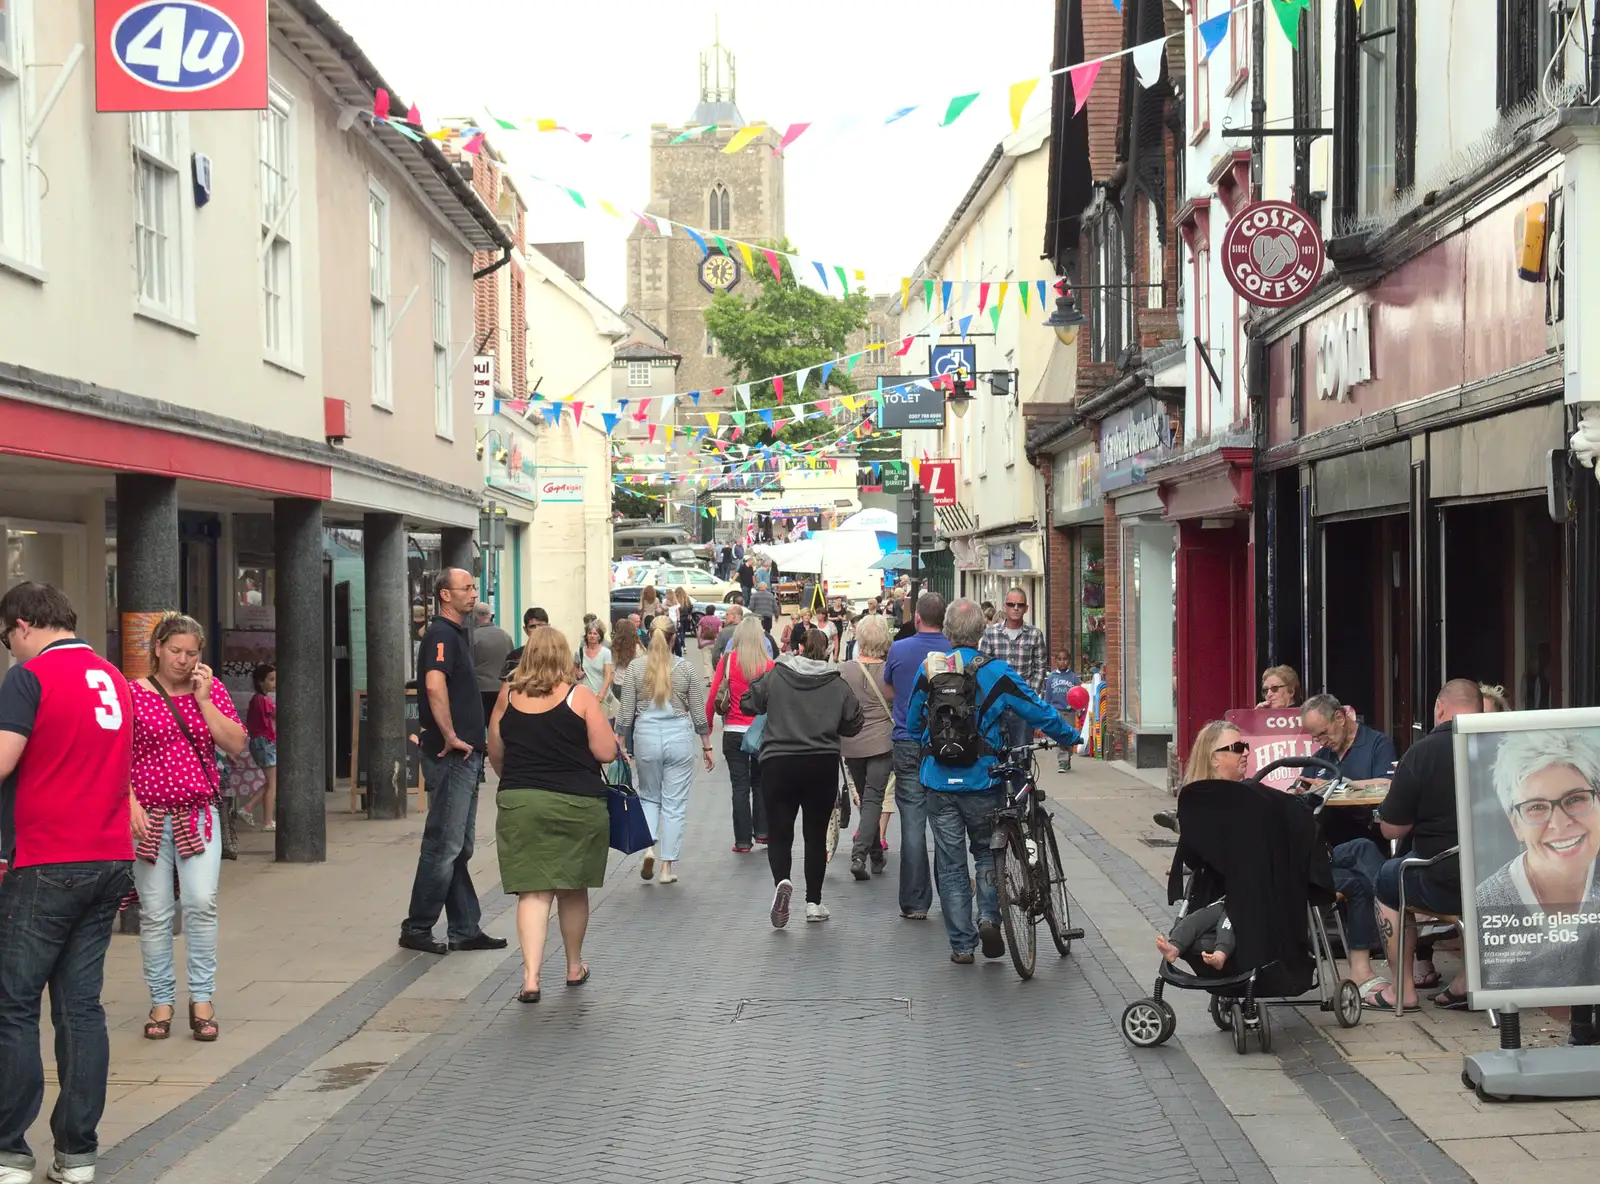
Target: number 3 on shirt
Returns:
[[109, 712]]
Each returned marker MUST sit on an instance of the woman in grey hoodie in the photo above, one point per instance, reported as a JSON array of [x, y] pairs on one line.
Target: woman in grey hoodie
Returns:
[[808, 708]]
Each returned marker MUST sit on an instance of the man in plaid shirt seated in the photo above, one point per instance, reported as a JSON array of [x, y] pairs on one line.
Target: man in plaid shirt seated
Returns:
[[1020, 646]]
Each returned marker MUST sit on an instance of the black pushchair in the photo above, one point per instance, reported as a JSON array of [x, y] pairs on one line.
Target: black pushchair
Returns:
[[1260, 849]]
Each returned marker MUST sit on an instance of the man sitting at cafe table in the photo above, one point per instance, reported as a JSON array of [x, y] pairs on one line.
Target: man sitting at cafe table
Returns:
[[1366, 759]]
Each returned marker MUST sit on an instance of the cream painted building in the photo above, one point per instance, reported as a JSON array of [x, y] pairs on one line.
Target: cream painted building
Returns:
[[994, 529]]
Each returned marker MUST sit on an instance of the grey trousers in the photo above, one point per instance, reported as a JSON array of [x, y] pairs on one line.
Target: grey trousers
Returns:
[[1204, 931], [870, 776]]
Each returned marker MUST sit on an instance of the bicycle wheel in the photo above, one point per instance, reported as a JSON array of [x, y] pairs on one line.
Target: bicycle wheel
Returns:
[[1053, 879], [1013, 887]]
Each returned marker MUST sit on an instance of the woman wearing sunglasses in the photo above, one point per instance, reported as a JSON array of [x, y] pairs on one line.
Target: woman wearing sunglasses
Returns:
[[1280, 687], [1219, 754], [1547, 784]]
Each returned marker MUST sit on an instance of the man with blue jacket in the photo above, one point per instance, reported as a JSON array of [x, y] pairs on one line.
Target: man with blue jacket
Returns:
[[961, 797]]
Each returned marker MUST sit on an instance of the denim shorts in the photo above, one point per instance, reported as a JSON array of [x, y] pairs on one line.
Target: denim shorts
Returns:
[[263, 751], [1423, 889]]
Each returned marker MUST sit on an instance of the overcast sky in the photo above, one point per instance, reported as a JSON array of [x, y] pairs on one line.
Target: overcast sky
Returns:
[[864, 195]]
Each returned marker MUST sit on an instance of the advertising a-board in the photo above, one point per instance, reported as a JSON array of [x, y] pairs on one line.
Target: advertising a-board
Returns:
[[1527, 784]]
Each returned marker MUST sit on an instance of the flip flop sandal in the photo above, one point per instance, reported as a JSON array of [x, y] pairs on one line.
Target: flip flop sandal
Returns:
[[1377, 1003], [1427, 981], [578, 982], [1448, 1000], [1370, 988]]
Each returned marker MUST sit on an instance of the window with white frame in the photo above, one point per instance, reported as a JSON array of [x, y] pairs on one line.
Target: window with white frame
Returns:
[[279, 190], [160, 250], [378, 291], [16, 186], [1155, 268], [444, 422], [1379, 79], [639, 374]]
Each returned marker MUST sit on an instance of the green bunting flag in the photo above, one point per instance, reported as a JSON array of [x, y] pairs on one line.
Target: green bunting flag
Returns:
[[957, 105], [1288, 13]]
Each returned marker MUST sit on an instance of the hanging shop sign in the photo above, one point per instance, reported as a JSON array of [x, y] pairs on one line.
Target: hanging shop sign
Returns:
[[1130, 441], [483, 384], [938, 477], [1272, 254], [180, 55], [560, 487], [952, 359], [896, 477]]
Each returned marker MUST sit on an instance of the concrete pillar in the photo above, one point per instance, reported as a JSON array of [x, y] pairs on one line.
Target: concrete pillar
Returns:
[[302, 708], [147, 579], [456, 549], [383, 735]]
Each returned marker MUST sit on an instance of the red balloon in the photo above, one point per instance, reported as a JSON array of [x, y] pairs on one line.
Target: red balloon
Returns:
[[1078, 697]]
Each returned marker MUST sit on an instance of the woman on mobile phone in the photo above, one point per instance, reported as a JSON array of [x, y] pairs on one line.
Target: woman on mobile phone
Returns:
[[181, 716]]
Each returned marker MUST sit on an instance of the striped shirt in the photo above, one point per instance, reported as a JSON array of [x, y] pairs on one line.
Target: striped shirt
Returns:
[[688, 697]]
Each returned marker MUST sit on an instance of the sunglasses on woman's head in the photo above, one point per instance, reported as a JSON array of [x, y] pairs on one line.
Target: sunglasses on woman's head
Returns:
[[1238, 748]]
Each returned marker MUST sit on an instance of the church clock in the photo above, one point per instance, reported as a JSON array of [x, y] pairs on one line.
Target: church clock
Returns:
[[718, 273]]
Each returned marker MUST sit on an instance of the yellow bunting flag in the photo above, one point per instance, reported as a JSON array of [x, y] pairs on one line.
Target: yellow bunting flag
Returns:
[[610, 209], [905, 291], [743, 136], [849, 401], [546, 125], [916, 470], [1000, 301], [749, 262], [1020, 93], [861, 275], [713, 418], [443, 133]]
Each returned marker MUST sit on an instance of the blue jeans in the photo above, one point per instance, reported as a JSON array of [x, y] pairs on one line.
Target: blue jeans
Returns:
[[55, 927], [443, 882], [663, 747], [961, 821], [911, 801], [197, 894], [1356, 865]]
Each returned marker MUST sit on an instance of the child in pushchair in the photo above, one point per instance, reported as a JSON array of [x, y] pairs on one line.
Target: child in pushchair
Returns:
[[1258, 849]]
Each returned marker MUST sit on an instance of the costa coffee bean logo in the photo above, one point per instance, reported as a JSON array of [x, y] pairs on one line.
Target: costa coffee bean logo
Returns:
[[1272, 254]]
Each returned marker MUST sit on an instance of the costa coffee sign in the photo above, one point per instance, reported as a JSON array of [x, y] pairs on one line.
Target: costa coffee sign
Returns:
[[1273, 733], [1272, 254]]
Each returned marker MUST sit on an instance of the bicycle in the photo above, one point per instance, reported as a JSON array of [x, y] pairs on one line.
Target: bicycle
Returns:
[[1029, 880]]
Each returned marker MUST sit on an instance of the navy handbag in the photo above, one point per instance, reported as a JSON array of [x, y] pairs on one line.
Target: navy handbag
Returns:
[[629, 831]]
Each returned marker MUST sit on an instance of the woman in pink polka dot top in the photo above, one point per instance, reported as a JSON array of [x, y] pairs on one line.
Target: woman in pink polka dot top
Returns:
[[181, 716]]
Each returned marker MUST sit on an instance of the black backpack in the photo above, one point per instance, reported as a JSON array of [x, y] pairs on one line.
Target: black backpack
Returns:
[[954, 735]]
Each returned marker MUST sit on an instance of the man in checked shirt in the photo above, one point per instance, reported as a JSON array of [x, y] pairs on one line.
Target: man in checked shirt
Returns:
[[1021, 646]]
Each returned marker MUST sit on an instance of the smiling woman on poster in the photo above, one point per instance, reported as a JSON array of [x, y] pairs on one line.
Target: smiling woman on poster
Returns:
[[1548, 784]]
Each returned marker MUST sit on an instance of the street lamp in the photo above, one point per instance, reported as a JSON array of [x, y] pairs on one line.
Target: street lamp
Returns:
[[1065, 318], [960, 396]]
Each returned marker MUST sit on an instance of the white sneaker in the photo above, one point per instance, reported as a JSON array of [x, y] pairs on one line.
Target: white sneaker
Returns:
[[647, 869], [9, 1175], [780, 904], [816, 912], [80, 1175]]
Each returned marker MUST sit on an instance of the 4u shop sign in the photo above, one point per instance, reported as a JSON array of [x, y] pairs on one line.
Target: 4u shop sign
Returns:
[[180, 55]]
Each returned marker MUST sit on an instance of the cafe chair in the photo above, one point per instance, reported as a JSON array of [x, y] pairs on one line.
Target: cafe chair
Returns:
[[1411, 911]]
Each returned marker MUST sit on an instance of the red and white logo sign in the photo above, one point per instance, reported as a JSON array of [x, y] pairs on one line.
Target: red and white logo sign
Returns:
[[938, 477], [1272, 254], [1274, 733], [561, 489], [180, 55]]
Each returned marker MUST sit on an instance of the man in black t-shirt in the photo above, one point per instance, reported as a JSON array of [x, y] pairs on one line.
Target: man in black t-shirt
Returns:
[[1421, 806], [453, 738]]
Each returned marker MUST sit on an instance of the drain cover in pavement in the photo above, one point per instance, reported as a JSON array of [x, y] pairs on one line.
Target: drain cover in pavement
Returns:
[[831, 1010], [1159, 842]]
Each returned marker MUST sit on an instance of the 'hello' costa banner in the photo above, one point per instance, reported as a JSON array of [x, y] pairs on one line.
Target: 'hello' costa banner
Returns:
[[180, 55]]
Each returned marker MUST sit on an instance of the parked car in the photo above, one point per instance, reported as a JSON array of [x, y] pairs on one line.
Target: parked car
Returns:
[[625, 601], [636, 540], [699, 583], [676, 555]]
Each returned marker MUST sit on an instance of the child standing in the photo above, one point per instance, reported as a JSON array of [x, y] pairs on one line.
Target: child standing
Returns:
[[261, 724]]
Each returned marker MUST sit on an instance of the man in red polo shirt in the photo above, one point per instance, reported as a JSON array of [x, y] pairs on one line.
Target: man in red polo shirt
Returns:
[[66, 745]]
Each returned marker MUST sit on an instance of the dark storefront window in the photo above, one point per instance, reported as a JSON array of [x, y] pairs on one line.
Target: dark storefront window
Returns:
[[1091, 598]]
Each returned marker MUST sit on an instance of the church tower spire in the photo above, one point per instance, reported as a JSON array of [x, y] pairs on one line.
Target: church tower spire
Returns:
[[717, 85]]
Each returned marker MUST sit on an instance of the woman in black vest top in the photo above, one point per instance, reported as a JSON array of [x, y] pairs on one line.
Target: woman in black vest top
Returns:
[[547, 741]]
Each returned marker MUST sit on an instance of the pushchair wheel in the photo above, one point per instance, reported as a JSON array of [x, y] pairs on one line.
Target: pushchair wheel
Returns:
[[1220, 1014], [1264, 1030], [1347, 1004], [1147, 1023], [1241, 1034]]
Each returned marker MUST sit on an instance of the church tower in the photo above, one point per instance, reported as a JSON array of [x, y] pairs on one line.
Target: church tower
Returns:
[[670, 283]]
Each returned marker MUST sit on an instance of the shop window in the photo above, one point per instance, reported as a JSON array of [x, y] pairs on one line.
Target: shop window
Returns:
[[279, 202], [1374, 106], [1149, 695], [1091, 598], [161, 227]]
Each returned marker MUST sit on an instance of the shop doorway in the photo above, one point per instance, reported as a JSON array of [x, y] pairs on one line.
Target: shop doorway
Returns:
[[1501, 572], [46, 553], [1366, 619]]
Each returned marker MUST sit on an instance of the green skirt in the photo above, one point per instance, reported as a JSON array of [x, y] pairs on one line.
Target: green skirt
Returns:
[[549, 840]]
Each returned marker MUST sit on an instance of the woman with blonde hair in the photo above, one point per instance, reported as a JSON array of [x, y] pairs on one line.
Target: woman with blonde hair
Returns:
[[663, 706], [1219, 754], [745, 661], [548, 738], [181, 716], [1494, 697]]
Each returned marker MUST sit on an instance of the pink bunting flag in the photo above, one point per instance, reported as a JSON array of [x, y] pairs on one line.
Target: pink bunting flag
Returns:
[[983, 296], [777, 389], [1082, 78], [380, 104], [772, 262], [652, 433], [718, 390], [833, 464], [644, 407], [790, 135], [414, 117], [827, 406], [474, 145], [905, 346], [577, 408]]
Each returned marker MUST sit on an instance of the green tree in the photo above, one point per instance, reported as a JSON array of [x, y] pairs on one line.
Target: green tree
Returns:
[[782, 328], [632, 502]]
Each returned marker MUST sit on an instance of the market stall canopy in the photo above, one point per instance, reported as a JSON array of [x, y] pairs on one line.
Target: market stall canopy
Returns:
[[894, 561], [804, 556], [871, 519]]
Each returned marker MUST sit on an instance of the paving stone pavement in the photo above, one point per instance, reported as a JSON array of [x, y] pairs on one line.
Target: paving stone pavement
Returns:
[[710, 1047]]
